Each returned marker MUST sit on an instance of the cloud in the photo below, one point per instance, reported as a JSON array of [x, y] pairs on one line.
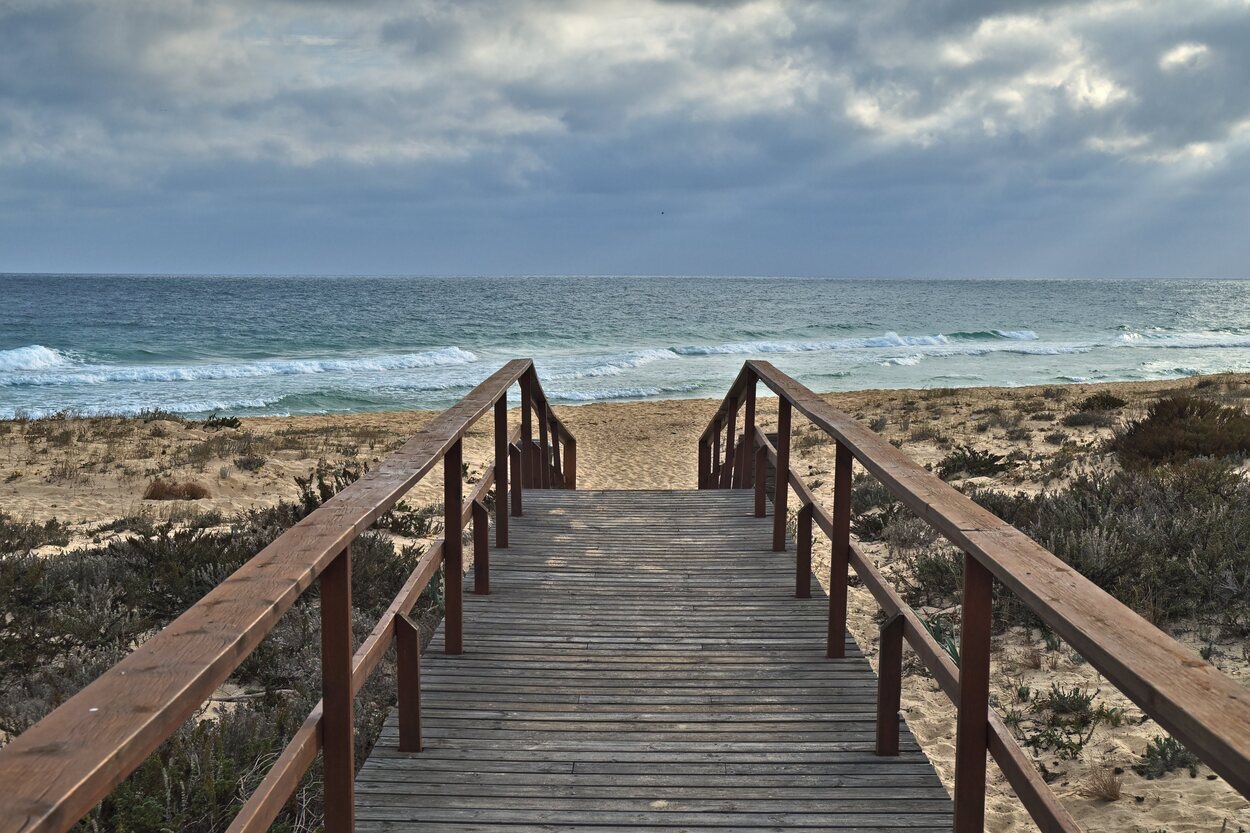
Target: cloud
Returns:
[[546, 109], [1184, 56]]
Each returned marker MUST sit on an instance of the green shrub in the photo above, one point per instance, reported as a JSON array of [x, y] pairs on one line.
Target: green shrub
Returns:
[[1163, 755], [159, 415], [971, 462], [1066, 720], [215, 422], [1183, 427], [1170, 541], [873, 507], [69, 618], [20, 537], [1101, 401], [1086, 419], [249, 462], [161, 489]]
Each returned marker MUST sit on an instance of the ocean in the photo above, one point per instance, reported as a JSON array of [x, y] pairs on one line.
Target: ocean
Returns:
[[104, 344]]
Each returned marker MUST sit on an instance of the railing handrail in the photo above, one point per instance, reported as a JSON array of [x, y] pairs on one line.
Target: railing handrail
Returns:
[[1206, 710], [58, 769]]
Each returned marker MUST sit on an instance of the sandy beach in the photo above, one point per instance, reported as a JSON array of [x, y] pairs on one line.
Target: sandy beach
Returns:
[[92, 472]]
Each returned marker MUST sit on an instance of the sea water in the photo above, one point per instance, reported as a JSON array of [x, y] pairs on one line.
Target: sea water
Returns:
[[96, 344]]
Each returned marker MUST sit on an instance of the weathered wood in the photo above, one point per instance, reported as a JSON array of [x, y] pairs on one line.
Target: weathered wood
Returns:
[[840, 550], [481, 548], [803, 554], [889, 685], [453, 549], [607, 683], [1205, 709], [971, 733], [516, 465], [338, 737], [748, 432], [408, 680], [781, 487], [502, 506]]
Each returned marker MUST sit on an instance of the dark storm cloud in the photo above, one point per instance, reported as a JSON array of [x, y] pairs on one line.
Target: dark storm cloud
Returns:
[[815, 137]]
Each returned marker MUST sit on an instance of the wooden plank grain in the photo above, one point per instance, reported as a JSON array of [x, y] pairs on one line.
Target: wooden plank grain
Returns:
[[642, 662]]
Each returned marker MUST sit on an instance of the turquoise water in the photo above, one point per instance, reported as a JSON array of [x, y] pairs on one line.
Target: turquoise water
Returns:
[[292, 345]]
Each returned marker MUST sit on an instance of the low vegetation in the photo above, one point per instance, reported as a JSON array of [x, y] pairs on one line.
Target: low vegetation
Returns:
[[20, 537], [69, 618], [1063, 720], [966, 461], [1164, 755], [1172, 542], [162, 489], [1179, 428], [1101, 401]]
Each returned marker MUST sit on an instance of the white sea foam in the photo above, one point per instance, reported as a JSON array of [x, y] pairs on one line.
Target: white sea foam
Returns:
[[613, 365], [903, 361], [602, 394], [32, 357], [101, 374], [1185, 340], [890, 339]]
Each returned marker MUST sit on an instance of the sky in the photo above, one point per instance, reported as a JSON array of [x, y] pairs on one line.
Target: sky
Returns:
[[886, 138]]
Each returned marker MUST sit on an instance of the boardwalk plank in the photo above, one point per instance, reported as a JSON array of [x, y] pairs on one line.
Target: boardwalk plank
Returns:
[[642, 662]]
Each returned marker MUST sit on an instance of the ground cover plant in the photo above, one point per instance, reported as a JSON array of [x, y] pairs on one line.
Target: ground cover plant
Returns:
[[1172, 542], [1179, 428], [70, 617]]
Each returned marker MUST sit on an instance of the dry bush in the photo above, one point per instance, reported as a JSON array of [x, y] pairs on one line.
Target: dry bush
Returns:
[[1182, 427], [1031, 658], [161, 489], [1103, 782]]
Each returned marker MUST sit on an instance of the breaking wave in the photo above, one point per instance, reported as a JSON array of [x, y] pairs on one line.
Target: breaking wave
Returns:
[[33, 357], [101, 374], [604, 394], [614, 365]]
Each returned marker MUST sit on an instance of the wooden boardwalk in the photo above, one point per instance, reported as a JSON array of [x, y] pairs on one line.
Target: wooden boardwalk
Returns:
[[642, 663]]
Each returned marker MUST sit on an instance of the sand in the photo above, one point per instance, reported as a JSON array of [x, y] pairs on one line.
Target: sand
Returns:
[[89, 472]]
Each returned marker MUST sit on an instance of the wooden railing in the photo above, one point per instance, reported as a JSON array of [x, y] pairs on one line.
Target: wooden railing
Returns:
[[60, 768], [1206, 710]]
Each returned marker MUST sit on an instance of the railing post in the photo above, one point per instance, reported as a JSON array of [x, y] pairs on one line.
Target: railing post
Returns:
[[889, 685], [731, 449], [481, 549], [761, 481], [501, 472], [408, 680], [570, 463], [515, 460], [840, 552], [557, 479], [714, 475], [971, 729], [705, 462], [544, 449], [781, 488], [742, 461], [338, 724], [527, 430], [803, 554], [748, 431], [453, 550]]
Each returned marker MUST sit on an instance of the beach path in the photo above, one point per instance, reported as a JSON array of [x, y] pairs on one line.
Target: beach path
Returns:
[[642, 662]]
